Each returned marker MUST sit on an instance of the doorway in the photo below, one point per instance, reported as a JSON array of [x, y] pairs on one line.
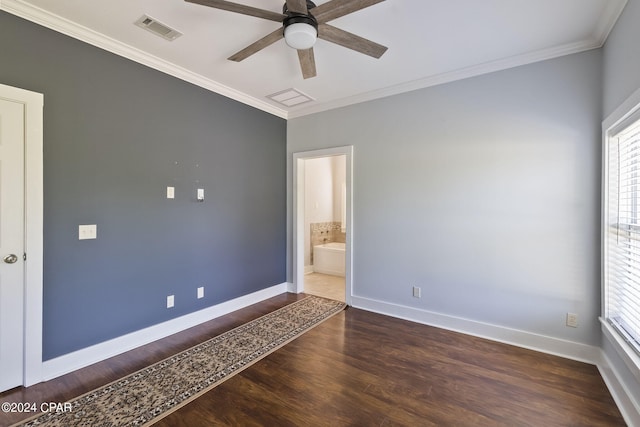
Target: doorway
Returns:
[[322, 223], [21, 242]]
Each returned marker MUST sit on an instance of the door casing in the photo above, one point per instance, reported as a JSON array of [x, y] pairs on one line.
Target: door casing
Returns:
[[298, 216]]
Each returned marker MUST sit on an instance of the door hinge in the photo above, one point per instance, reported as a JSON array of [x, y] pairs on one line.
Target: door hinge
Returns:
[[24, 256]]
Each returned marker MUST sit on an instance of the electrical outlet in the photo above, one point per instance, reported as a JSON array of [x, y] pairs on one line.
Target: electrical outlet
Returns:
[[201, 292], [416, 292], [572, 320], [170, 301]]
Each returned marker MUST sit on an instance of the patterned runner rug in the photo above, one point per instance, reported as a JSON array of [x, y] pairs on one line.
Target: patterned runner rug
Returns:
[[146, 396]]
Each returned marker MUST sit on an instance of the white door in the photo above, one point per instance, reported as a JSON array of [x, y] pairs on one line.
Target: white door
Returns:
[[12, 134]]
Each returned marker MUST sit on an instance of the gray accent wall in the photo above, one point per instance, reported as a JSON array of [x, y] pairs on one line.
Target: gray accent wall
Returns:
[[116, 135], [483, 192]]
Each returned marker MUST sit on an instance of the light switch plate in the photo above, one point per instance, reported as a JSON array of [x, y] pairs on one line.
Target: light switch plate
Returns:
[[200, 194], [201, 292], [170, 301], [89, 231], [171, 193]]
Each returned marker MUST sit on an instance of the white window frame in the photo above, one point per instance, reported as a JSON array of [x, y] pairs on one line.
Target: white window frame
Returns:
[[622, 117]]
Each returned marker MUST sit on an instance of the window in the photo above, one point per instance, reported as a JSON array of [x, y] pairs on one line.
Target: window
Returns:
[[622, 230]]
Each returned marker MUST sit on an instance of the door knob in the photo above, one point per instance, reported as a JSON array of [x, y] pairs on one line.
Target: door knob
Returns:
[[10, 259]]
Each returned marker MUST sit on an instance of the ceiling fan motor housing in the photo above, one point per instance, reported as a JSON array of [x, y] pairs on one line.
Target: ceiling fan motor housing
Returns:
[[300, 31], [310, 5]]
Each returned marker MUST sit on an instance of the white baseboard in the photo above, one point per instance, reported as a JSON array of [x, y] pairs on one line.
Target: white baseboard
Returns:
[[328, 271], [292, 288], [529, 340], [79, 359], [626, 404]]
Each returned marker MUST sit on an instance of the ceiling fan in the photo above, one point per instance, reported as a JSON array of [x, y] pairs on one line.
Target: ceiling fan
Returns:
[[302, 23]]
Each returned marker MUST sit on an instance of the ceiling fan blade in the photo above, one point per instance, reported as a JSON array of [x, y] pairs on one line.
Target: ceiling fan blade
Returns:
[[350, 41], [307, 63], [297, 6], [240, 8], [336, 8], [267, 40]]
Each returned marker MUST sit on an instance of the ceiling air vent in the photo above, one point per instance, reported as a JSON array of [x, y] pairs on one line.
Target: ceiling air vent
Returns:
[[290, 97], [158, 28]]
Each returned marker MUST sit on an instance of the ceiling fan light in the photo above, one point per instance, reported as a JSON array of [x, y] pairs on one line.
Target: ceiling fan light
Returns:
[[300, 35]]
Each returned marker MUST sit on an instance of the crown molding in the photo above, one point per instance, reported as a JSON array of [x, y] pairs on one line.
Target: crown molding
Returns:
[[608, 20], [463, 73], [54, 22]]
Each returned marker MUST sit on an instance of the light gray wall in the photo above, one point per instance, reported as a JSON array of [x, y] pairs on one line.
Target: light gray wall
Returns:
[[484, 192], [621, 63], [116, 134]]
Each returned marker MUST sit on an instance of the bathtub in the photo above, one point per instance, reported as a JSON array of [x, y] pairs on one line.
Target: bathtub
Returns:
[[329, 258]]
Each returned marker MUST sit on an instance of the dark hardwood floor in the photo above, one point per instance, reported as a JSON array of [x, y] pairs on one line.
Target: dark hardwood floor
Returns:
[[364, 369]]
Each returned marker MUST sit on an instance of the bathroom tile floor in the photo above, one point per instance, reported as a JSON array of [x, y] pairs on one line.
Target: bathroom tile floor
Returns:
[[324, 285]]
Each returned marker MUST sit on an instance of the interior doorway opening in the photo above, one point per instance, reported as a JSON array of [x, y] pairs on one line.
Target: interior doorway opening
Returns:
[[323, 223]]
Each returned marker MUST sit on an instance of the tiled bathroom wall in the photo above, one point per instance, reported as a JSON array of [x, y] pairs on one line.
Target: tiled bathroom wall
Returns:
[[326, 232]]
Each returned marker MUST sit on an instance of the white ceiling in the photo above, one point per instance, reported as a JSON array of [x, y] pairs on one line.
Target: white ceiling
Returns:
[[430, 42]]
